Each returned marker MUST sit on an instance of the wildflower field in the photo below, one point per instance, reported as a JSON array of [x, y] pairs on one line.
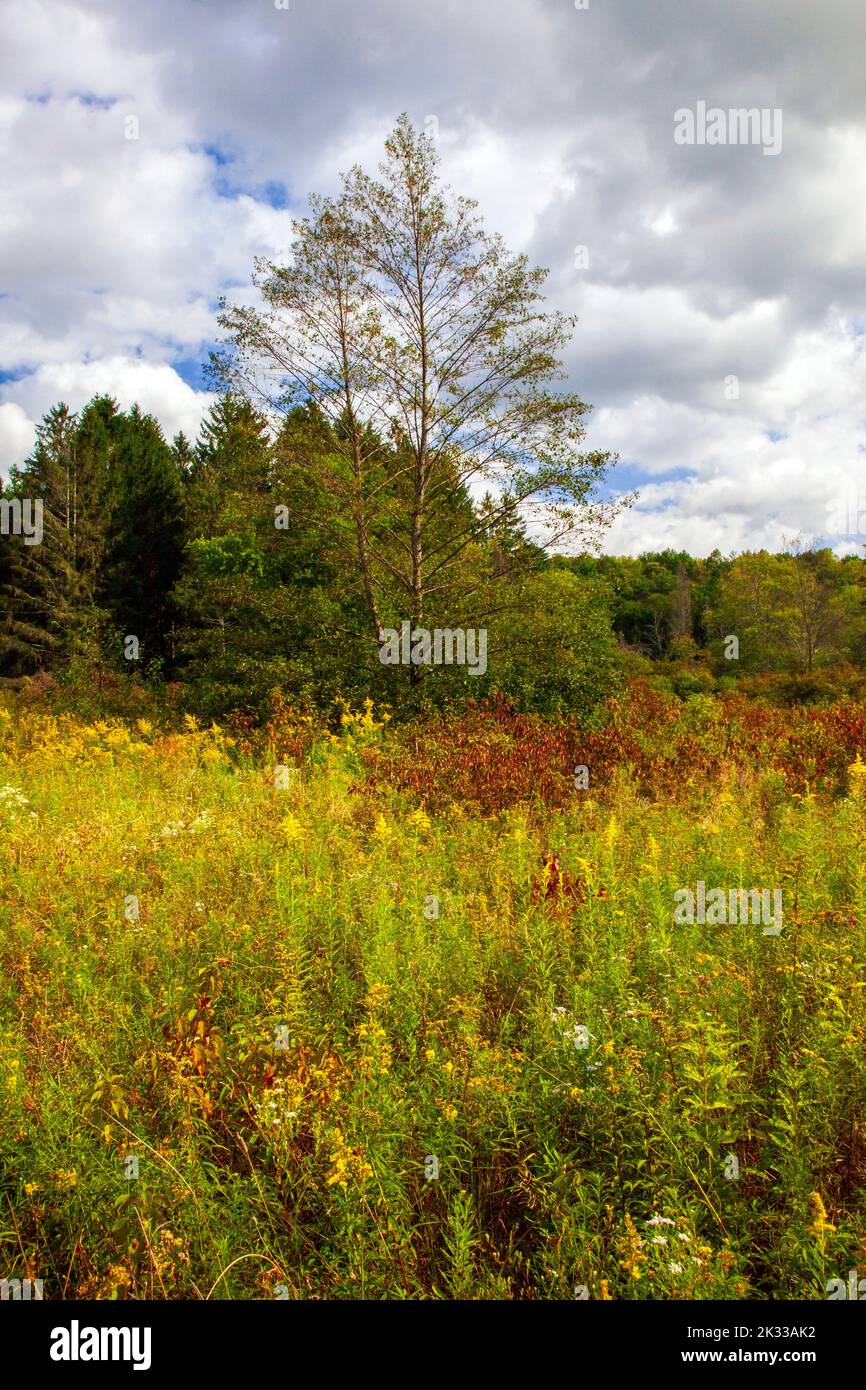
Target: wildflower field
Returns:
[[368, 1012]]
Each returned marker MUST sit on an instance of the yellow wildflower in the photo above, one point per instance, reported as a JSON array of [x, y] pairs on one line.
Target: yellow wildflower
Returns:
[[347, 1164], [292, 829], [857, 774], [382, 830], [631, 1248], [820, 1224]]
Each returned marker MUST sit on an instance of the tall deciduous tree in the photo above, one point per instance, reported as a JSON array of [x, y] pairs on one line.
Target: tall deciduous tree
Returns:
[[427, 346], [791, 612]]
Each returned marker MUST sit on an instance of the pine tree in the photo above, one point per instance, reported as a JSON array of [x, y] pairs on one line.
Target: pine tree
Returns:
[[259, 600], [144, 532], [49, 599]]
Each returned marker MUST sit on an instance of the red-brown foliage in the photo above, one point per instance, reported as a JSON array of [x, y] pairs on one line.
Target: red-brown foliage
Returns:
[[493, 757]]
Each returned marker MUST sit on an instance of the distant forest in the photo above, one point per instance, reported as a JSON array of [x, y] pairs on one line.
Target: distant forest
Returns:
[[225, 568]]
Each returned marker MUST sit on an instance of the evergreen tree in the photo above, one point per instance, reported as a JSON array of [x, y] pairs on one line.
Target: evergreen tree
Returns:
[[183, 454], [144, 531], [253, 613], [50, 596]]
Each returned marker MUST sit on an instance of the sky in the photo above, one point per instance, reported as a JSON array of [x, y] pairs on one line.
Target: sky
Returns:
[[149, 152]]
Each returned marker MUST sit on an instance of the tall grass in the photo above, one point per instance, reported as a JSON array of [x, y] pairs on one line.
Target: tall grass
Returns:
[[321, 988]]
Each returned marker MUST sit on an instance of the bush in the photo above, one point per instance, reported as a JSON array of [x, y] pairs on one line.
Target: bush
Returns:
[[820, 687], [557, 655], [692, 682]]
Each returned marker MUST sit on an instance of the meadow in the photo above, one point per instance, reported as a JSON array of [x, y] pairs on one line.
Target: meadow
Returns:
[[359, 1011]]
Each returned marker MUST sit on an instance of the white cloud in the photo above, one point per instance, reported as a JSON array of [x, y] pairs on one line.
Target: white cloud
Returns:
[[703, 263], [745, 489], [154, 385], [16, 435]]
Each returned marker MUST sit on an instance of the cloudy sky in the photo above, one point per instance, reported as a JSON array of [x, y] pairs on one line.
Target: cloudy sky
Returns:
[[150, 151]]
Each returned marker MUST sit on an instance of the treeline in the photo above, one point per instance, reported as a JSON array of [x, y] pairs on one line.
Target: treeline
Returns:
[[223, 567], [800, 613], [412, 361]]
